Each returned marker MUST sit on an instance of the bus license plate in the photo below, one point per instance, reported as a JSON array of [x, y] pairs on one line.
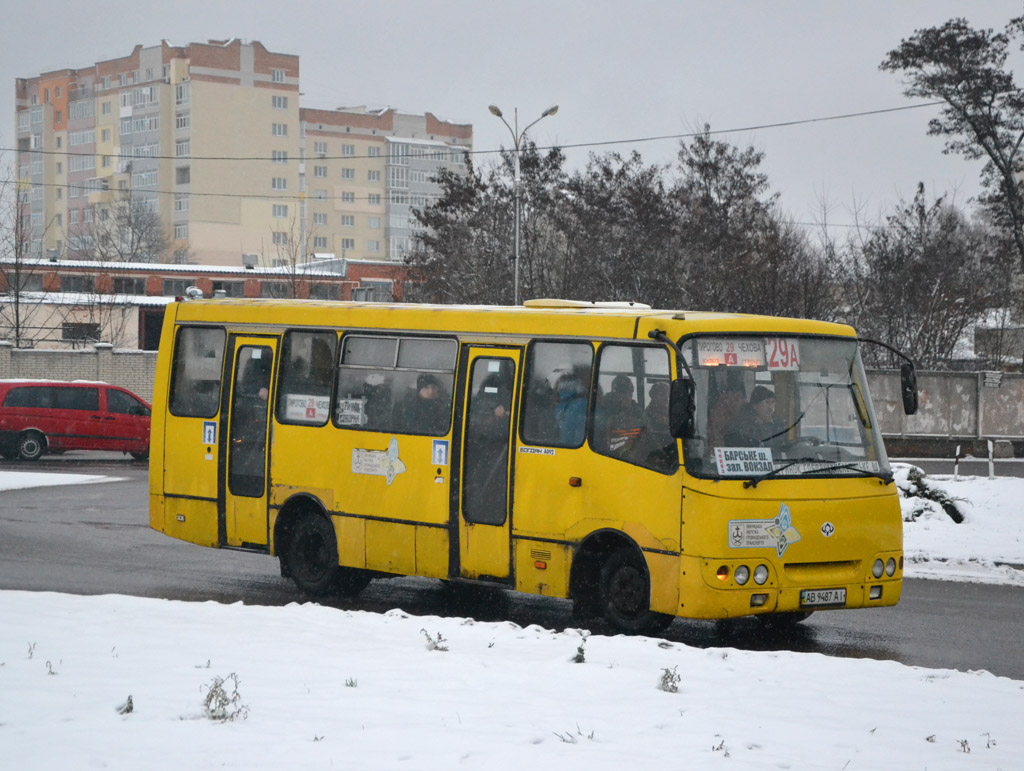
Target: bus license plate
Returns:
[[819, 597]]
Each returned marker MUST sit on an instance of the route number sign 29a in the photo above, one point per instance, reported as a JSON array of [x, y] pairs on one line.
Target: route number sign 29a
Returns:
[[782, 353]]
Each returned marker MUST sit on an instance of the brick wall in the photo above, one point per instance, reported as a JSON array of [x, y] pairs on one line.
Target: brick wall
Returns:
[[133, 370]]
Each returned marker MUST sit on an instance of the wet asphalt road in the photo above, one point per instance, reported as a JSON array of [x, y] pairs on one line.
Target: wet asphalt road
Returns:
[[95, 539]]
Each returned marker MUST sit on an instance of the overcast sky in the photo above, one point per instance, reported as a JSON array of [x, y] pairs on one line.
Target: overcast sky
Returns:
[[617, 71]]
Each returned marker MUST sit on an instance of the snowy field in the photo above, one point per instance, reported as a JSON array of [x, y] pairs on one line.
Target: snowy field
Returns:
[[310, 687]]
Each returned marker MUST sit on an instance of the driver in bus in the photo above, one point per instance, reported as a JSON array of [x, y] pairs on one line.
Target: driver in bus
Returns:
[[756, 425]]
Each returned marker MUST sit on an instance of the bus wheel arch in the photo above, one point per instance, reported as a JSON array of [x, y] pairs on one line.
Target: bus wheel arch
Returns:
[[609, 578], [306, 542]]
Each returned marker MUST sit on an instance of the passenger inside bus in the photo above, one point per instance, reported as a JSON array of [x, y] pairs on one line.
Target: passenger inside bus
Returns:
[[620, 421], [426, 412], [571, 410]]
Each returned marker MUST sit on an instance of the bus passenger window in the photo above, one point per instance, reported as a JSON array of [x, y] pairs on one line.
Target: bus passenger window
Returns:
[[307, 374], [557, 391], [631, 417], [196, 372], [397, 385]]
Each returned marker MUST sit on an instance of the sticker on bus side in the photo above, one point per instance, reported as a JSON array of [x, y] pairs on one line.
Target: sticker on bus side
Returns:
[[378, 463], [777, 533], [537, 450]]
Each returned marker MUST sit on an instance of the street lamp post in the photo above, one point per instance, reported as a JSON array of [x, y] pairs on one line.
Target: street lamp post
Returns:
[[517, 138]]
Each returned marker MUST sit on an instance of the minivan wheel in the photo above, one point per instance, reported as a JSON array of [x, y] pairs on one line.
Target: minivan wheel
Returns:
[[144, 455], [31, 445]]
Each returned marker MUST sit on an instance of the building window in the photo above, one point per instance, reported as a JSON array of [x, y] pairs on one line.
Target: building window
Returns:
[[373, 223], [319, 242], [131, 285], [80, 332], [181, 202], [320, 171], [373, 152], [319, 218], [324, 292], [348, 173], [348, 243], [230, 288], [105, 108], [182, 148], [373, 175], [280, 239], [320, 195], [279, 102], [280, 210], [182, 120], [277, 76], [181, 231], [106, 135], [348, 220], [348, 197], [279, 129], [279, 183], [182, 93], [374, 199], [348, 149], [183, 175], [320, 148], [279, 156], [276, 289], [373, 246], [84, 284]]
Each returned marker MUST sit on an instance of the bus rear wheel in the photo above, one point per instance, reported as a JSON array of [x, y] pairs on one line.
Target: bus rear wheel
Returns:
[[312, 557], [625, 595]]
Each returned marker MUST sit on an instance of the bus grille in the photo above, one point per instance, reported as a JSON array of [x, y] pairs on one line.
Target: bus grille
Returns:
[[844, 572]]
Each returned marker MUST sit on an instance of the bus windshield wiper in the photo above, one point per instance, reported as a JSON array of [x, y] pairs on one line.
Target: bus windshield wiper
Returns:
[[753, 481], [887, 478]]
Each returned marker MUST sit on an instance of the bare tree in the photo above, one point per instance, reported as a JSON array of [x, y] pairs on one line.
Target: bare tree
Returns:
[[20, 274], [127, 230]]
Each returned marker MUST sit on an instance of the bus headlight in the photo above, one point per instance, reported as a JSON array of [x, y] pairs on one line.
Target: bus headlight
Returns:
[[742, 575], [760, 574], [890, 567], [877, 569]]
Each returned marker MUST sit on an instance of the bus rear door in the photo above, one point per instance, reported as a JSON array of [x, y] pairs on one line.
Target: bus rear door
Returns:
[[243, 478], [484, 527]]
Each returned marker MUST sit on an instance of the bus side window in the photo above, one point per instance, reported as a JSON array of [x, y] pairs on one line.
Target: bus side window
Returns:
[[399, 385], [307, 374], [196, 372], [631, 416], [557, 389]]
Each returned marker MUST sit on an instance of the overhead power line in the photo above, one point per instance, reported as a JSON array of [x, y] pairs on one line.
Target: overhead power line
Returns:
[[570, 146]]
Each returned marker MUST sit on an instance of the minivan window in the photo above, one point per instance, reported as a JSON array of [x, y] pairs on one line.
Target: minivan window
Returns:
[[77, 399], [125, 404]]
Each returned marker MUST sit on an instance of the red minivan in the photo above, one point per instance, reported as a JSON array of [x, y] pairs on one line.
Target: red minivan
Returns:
[[39, 416]]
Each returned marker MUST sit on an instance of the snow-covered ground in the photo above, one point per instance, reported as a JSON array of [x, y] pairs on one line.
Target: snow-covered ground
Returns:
[[318, 687]]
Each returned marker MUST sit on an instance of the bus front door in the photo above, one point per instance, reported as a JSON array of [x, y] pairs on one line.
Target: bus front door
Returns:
[[243, 480], [484, 527]]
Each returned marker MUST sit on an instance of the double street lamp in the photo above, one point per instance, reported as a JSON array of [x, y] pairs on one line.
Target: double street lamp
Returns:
[[517, 138]]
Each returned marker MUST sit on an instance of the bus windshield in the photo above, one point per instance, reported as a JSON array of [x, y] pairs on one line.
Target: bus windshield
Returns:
[[781, 406]]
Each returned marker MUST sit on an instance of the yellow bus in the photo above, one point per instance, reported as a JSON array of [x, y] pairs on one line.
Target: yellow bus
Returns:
[[646, 464]]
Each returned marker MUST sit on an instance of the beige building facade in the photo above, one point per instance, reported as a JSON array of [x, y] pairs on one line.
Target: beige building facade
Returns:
[[212, 140]]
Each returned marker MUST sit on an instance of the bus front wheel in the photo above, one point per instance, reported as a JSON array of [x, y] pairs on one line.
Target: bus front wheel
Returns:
[[625, 594]]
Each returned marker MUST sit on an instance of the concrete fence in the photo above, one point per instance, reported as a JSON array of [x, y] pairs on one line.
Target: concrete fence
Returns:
[[130, 369]]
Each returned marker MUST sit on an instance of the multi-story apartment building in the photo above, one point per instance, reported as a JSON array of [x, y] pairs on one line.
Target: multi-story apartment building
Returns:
[[366, 170], [211, 139]]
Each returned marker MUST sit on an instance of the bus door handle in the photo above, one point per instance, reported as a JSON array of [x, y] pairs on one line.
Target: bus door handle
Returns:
[[575, 482]]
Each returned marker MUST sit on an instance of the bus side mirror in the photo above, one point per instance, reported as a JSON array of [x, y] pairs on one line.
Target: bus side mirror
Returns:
[[908, 388], [681, 409]]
